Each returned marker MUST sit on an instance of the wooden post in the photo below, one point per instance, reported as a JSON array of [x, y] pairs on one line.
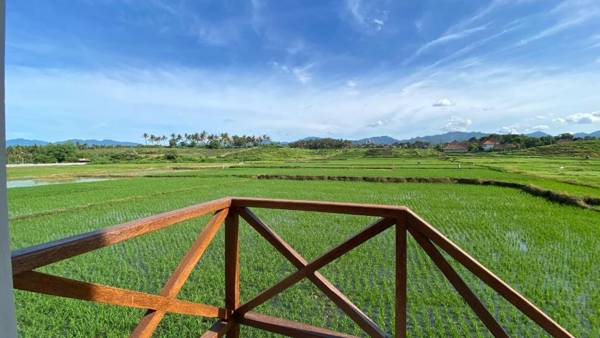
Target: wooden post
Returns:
[[232, 268], [401, 280]]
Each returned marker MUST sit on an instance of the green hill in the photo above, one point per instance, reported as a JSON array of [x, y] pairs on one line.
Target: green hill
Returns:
[[570, 149]]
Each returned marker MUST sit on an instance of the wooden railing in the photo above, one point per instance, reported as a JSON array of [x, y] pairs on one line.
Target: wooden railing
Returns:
[[233, 314]]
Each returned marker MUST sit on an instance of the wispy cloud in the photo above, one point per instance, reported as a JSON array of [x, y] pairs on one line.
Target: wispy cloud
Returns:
[[301, 73], [568, 14], [445, 38], [475, 17], [368, 16], [341, 76], [134, 100]]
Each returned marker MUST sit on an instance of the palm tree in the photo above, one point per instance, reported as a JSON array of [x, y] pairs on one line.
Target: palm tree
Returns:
[[145, 138], [225, 139]]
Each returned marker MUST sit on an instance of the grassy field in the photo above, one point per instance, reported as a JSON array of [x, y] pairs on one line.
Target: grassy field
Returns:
[[544, 249]]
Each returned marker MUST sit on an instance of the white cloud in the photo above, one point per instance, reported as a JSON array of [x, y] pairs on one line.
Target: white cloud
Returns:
[[351, 83], [457, 123], [376, 124], [540, 127], [379, 23], [443, 103], [583, 118], [509, 130]]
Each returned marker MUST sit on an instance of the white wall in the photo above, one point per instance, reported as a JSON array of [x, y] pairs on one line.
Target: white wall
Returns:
[[7, 309]]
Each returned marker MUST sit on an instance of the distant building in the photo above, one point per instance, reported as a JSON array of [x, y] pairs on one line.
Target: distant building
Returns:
[[455, 147], [488, 145]]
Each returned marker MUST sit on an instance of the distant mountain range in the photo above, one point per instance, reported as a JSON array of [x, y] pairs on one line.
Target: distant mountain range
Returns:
[[594, 134], [92, 142], [24, 142], [447, 137], [442, 138], [378, 140], [538, 134]]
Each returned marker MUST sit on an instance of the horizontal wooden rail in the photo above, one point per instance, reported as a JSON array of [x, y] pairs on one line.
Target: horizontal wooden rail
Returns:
[[43, 254], [328, 207], [232, 315], [219, 329], [288, 327], [64, 287]]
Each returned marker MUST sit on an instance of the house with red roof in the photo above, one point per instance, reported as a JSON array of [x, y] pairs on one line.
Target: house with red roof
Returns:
[[455, 147], [488, 145]]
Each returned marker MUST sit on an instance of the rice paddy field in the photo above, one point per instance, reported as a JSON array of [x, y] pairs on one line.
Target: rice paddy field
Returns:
[[546, 250]]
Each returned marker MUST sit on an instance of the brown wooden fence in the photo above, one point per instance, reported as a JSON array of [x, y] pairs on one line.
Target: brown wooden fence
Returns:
[[233, 314]]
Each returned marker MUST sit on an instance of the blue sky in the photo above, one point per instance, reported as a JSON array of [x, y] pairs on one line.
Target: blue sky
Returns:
[[290, 69]]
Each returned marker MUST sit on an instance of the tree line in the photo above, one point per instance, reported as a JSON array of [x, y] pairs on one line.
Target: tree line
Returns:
[[321, 143], [518, 141], [204, 139], [474, 144], [50, 153]]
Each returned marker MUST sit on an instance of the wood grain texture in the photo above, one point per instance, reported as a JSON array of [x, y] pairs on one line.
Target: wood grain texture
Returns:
[[360, 318], [64, 287], [461, 287], [319, 206], [218, 330], [152, 318], [318, 263], [232, 268], [40, 255], [493, 281], [287, 327]]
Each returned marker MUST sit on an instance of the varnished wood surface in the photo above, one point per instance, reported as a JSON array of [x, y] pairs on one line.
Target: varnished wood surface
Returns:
[[152, 318], [43, 254], [359, 317]]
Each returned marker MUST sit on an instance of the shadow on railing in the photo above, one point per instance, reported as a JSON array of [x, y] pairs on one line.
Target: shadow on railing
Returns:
[[234, 314]]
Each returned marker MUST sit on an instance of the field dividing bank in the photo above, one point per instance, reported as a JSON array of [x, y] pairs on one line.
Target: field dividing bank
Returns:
[[545, 250], [117, 170], [570, 170], [575, 190], [585, 202]]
